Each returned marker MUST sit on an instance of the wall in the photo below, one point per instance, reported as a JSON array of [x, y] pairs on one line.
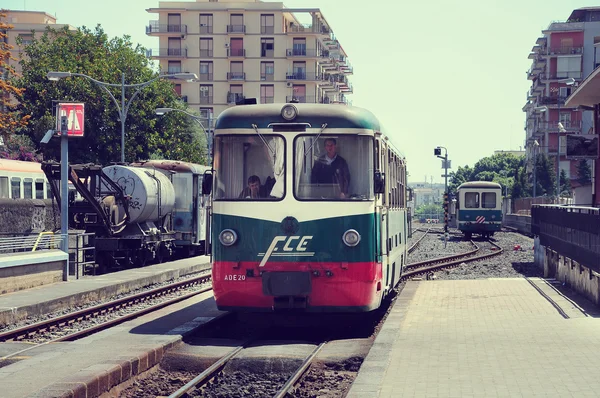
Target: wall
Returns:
[[27, 216], [20, 271]]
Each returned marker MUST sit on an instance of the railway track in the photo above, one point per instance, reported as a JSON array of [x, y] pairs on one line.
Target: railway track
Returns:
[[210, 373], [416, 244], [61, 324], [440, 263]]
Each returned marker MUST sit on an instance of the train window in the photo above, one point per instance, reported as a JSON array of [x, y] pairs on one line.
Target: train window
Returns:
[[39, 189], [471, 200], [28, 188], [15, 187], [4, 193], [333, 168], [488, 200], [249, 167]]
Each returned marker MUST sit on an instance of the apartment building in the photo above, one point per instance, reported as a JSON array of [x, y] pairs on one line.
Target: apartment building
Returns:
[[562, 57], [26, 24], [243, 49]]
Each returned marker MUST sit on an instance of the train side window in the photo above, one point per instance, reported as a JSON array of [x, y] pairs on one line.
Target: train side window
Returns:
[[4, 193], [488, 200], [15, 187], [39, 189], [28, 188], [471, 200]]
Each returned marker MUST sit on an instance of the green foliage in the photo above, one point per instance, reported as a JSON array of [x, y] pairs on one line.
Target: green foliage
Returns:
[[520, 187], [429, 211], [584, 172], [92, 53], [545, 176], [565, 184], [500, 168]]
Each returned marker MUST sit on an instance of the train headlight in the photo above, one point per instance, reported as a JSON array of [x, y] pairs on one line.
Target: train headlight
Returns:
[[227, 237], [351, 238], [289, 112]]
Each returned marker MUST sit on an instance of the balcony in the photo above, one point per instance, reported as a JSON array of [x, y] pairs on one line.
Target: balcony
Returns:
[[334, 100], [267, 77], [156, 29], [570, 126], [565, 50], [561, 75], [237, 52], [301, 99], [234, 98], [236, 29], [205, 77], [167, 53], [301, 53], [308, 29], [206, 100], [206, 53], [304, 76], [239, 76]]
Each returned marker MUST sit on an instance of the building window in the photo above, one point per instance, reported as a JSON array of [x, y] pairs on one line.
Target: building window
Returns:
[[236, 47], [267, 48], [25, 39], [267, 24], [267, 71], [267, 94], [177, 89], [174, 23], [568, 67], [206, 94], [206, 48], [236, 71], [206, 112], [564, 92], [299, 70], [206, 23], [562, 145], [174, 67], [236, 93], [299, 93], [206, 71], [299, 47], [236, 24], [174, 47]]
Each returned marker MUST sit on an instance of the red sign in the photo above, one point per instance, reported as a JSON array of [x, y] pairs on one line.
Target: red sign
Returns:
[[75, 117]]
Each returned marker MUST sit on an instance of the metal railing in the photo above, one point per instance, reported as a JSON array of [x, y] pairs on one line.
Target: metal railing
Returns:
[[206, 53], [236, 76], [30, 243], [167, 52], [206, 100], [206, 77], [310, 76], [301, 99], [236, 52], [269, 30], [565, 50], [84, 254], [302, 52], [155, 27], [233, 98], [236, 28]]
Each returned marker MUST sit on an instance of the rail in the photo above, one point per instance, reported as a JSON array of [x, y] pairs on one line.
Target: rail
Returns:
[[30, 243]]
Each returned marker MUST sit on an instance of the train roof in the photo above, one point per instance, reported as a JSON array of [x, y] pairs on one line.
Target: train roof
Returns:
[[335, 115], [20, 165], [173, 165], [480, 184]]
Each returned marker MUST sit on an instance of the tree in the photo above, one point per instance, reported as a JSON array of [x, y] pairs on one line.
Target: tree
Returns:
[[92, 53], [19, 147], [10, 119], [500, 168], [545, 176], [429, 211], [584, 172], [565, 183]]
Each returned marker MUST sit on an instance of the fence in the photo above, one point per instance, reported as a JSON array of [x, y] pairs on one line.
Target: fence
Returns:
[[30, 243], [523, 206], [572, 231]]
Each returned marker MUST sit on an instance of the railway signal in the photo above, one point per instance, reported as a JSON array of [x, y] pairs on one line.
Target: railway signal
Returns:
[[445, 165]]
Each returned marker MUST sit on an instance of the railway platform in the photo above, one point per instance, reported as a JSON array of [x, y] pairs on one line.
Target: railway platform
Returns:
[[513, 337], [44, 299]]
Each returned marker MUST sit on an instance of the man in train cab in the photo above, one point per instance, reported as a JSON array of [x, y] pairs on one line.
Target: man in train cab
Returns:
[[254, 190], [331, 168]]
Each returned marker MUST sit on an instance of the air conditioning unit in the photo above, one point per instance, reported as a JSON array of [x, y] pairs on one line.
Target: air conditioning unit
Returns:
[[290, 53], [289, 84]]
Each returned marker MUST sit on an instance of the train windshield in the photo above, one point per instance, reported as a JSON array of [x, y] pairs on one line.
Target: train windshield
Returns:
[[249, 167], [333, 167]]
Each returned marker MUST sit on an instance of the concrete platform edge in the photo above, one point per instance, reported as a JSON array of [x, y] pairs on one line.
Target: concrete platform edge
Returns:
[[368, 382], [13, 315]]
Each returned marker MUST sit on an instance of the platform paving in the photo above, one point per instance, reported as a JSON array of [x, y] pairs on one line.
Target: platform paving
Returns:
[[483, 338], [44, 299]]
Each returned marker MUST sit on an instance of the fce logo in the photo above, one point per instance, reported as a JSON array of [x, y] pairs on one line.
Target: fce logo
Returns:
[[294, 246]]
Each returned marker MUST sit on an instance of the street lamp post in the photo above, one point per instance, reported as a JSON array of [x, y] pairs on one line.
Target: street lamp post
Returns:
[[536, 144], [207, 132], [124, 107]]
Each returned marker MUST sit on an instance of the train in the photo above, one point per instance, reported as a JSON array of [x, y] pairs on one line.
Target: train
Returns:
[[479, 208], [137, 213], [308, 209], [23, 180]]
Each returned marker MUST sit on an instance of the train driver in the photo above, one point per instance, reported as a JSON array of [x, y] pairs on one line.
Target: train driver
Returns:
[[254, 190], [331, 168]]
